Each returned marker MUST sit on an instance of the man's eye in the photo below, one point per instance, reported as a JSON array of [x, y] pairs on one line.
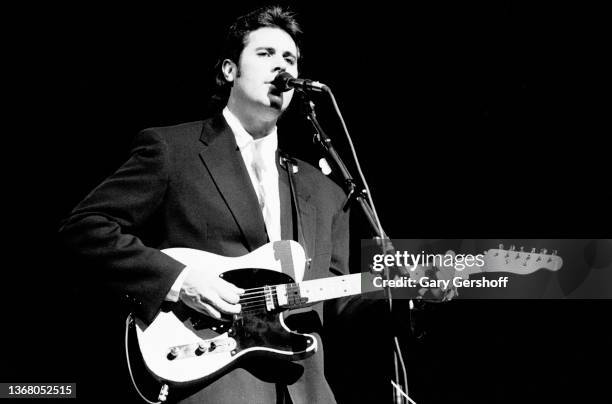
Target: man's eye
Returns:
[[264, 53], [291, 61]]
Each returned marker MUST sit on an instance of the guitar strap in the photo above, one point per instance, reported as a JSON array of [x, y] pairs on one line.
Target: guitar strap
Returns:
[[291, 167]]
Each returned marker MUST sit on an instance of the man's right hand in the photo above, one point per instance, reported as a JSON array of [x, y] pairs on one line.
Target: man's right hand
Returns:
[[204, 291]]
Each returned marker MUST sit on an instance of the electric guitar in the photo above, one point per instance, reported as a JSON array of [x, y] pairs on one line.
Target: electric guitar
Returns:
[[182, 347]]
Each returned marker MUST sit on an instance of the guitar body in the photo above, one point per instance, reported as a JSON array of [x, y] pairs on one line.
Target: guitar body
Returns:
[[182, 347]]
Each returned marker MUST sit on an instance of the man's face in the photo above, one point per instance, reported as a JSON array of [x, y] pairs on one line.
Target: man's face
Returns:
[[267, 52]]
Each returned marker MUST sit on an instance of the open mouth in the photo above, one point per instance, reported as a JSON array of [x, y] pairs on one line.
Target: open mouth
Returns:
[[274, 90]]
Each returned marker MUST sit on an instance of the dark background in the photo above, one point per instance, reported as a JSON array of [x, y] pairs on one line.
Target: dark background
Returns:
[[477, 120]]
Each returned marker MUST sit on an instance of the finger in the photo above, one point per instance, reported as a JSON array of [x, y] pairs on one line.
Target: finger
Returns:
[[204, 308], [235, 289], [226, 307], [211, 310], [229, 292], [195, 302]]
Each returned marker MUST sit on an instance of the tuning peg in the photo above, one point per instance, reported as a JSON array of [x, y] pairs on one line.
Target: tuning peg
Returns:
[[543, 251], [501, 246], [518, 254], [554, 252], [533, 250], [512, 247], [522, 249]]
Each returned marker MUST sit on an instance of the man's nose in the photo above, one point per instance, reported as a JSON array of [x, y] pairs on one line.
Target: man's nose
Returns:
[[280, 64]]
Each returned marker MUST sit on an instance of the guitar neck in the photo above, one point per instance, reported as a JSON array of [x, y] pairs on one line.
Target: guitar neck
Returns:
[[494, 260]]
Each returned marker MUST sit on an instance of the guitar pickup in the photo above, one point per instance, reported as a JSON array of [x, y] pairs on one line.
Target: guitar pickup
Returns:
[[289, 295], [269, 298]]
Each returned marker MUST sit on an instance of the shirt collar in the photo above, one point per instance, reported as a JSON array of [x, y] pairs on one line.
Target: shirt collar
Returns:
[[267, 144]]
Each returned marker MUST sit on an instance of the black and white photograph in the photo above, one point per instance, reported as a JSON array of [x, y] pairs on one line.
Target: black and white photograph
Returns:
[[291, 202]]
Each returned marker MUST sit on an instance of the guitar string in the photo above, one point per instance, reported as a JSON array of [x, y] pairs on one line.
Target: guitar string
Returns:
[[263, 293], [262, 288], [259, 301], [256, 303], [258, 295], [262, 304], [262, 297]]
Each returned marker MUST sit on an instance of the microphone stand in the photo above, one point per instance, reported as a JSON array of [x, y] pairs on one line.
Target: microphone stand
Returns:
[[353, 194], [358, 195]]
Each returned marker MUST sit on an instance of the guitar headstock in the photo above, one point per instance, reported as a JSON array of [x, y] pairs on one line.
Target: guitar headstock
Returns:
[[520, 261]]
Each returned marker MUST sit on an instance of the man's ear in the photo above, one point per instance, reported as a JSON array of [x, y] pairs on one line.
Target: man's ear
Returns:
[[229, 69]]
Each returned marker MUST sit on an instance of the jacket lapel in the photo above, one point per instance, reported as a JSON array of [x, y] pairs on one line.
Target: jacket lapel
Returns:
[[223, 161]]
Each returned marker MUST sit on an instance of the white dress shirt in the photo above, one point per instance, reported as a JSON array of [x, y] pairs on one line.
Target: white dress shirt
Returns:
[[259, 157]]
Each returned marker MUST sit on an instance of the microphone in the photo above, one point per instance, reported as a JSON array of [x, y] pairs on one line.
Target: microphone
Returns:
[[285, 81]]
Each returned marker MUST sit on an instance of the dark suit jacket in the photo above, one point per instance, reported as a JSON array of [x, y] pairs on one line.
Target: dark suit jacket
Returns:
[[187, 186]]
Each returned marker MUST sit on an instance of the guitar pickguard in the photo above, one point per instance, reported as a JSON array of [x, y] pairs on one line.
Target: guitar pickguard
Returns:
[[200, 347]]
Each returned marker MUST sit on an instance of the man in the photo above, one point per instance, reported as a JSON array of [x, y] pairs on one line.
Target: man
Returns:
[[218, 185]]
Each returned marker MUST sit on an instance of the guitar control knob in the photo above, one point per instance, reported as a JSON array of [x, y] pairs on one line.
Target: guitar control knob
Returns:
[[201, 349], [212, 347], [173, 353]]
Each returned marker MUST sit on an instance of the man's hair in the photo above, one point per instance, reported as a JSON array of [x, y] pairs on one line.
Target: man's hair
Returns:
[[237, 37]]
